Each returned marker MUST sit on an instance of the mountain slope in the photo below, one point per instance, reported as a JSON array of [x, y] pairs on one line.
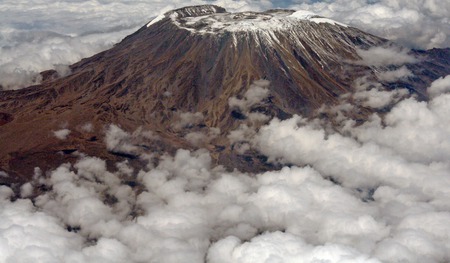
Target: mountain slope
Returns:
[[190, 60]]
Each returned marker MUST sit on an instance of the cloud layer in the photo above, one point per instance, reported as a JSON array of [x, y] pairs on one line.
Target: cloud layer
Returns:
[[414, 23], [373, 192]]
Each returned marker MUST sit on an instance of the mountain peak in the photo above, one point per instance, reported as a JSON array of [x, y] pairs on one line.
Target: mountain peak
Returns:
[[188, 11], [196, 11], [215, 19], [194, 65]]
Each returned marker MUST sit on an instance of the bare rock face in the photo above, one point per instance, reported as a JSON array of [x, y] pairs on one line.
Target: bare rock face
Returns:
[[189, 60]]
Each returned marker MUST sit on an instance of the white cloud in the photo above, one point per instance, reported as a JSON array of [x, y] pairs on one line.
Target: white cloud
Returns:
[[200, 138], [396, 162], [23, 59], [26, 234], [372, 94], [395, 75], [385, 56], [414, 23], [62, 134], [256, 93], [281, 247], [416, 130], [378, 99], [118, 140], [384, 208], [439, 86], [242, 133], [187, 120], [26, 190], [87, 127]]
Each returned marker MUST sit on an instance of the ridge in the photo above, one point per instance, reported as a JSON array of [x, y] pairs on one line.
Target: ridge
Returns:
[[195, 11], [215, 19]]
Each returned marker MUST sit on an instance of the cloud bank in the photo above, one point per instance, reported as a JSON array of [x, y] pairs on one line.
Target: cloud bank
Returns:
[[414, 23], [373, 192]]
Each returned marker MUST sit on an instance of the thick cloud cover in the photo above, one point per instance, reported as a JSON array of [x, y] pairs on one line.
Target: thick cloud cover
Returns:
[[43, 34], [374, 192], [415, 23]]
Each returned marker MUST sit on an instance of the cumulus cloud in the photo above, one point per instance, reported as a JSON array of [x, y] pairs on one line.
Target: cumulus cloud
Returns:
[[255, 94], [373, 192], [342, 198], [62, 134], [415, 130], [87, 127], [187, 120], [244, 110], [26, 190], [439, 86], [27, 234], [22, 59], [374, 95], [414, 23], [281, 247], [389, 170], [120, 141], [395, 75], [385, 56], [200, 138], [187, 209]]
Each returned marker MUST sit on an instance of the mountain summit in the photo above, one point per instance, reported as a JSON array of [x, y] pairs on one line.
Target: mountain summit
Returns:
[[191, 71], [215, 19]]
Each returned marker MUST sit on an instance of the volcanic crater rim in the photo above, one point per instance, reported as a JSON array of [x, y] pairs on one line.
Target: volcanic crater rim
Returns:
[[214, 19]]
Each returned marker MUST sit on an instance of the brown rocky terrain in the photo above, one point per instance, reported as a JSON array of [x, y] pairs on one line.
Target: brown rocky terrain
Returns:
[[191, 60]]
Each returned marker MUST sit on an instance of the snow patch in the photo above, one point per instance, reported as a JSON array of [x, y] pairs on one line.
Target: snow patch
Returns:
[[310, 16], [303, 14], [156, 19], [276, 20]]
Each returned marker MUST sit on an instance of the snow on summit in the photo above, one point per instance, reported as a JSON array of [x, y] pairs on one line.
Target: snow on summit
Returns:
[[211, 19], [156, 19], [310, 16]]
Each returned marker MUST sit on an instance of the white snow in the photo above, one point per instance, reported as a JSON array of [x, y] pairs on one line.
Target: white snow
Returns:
[[156, 19], [303, 14], [248, 21], [310, 16], [320, 20]]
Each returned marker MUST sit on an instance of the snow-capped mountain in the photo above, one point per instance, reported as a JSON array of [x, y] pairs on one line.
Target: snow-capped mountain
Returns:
[[190, 71]]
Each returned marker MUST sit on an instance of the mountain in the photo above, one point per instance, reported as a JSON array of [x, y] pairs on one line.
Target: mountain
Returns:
[[186, 73]]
